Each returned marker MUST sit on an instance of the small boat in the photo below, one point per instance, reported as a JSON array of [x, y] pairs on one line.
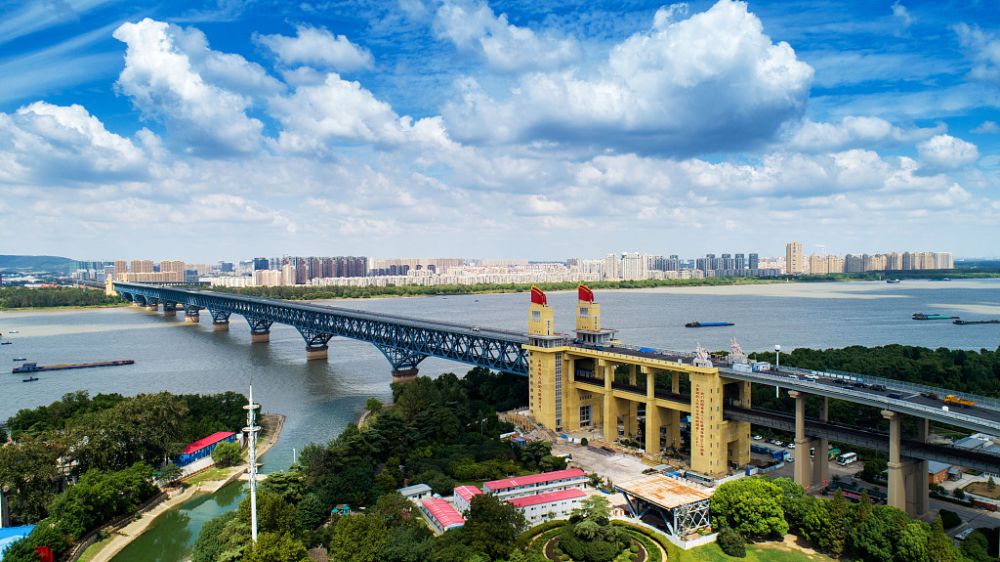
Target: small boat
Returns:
[[707, 324], [6, 342], [964, 322], [892, 281], [12, 332], [30, 379], [20, 359], [925, 316]]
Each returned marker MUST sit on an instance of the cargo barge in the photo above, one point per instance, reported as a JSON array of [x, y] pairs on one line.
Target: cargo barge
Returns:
[[924, 316], [964, 322], [36, 368], [707, 324]]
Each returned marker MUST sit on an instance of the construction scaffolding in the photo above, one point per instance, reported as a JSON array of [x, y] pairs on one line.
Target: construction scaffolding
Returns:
[[682, 507]]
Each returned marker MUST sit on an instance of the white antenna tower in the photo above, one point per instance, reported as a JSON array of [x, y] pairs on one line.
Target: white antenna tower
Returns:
[[252, 429]]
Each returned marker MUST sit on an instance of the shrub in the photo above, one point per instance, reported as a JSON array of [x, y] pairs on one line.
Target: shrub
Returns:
[[227, 454], [585, 442], [732, 543], [950, 519]]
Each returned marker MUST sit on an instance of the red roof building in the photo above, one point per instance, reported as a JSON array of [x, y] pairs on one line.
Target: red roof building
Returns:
[[551, 505], [441, 515], [463, 497], [204, 447], [537, 483]]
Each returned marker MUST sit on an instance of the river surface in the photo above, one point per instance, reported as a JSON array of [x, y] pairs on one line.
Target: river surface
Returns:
[[320, 398]]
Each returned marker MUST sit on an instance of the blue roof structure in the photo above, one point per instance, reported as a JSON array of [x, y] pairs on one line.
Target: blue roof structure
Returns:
[[10, 535]]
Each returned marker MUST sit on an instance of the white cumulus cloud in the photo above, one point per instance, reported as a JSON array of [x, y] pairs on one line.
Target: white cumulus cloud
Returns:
[[713, 81], [504, 46], [203, 115], [947, 152], [984, 49], [317, 47], [854, 131]]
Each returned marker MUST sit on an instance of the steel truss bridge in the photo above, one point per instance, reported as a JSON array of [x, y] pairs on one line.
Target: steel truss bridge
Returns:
[[404, 341]]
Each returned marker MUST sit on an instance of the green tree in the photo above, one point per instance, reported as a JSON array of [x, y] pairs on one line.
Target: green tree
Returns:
[[274, 514], [227, 454], [30, 471], [169, 473], [913, 540], [874, 538], [873, 469], [833, 537], [290, 485], [732, 543], [751, 507], [940, 547], [359, 538], [311, 512], [975, 547], [275, 547], [373, 405], [492, 526]]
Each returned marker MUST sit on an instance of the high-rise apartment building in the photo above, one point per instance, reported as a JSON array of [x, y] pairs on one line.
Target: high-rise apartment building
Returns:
[[793, 258], [753, 261], [739, 262], [141, 266]]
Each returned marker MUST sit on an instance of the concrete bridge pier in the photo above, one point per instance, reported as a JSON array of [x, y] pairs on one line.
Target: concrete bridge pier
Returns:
[[404, 375], [897, 476], [803, 471], [169, 308], [220, 321], [821, 463], [260, 329], [152, 304], [316, 343], [191, 314]]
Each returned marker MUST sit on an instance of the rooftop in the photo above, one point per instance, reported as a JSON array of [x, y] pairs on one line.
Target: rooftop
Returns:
[[414, 490], [531, 479], [206, 441], [550, 497], [443, 512], [664, 491], [933, 467], [466, 492]]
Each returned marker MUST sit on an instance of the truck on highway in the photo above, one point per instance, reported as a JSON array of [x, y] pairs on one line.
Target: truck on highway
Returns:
[[958, 401]]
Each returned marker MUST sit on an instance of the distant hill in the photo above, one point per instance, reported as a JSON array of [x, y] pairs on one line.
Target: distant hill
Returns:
[[36, 263]]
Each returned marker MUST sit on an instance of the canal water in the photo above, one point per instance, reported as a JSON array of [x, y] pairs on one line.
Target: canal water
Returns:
[[320, 398]]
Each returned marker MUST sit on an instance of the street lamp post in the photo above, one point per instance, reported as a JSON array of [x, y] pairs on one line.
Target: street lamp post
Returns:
[[777, 366]]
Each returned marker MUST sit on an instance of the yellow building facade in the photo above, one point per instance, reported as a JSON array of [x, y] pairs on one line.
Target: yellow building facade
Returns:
[[589, 382]]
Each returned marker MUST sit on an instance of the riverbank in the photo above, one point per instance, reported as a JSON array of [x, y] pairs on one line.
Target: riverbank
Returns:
[[108, 548], [69, 307]]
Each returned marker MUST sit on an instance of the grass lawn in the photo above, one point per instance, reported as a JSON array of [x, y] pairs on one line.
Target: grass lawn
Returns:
[[94, 549], [983, 489], [207, 476], [770, 552]]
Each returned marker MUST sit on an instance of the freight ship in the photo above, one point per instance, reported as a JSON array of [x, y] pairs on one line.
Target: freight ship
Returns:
[[924, 316], [707, 324], [36, 368], [964, 322]]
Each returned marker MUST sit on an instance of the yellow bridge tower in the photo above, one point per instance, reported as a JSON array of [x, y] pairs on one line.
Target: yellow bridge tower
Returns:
[[592, 381]]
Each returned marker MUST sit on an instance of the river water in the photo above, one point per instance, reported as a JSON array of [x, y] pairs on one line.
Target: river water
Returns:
[[320, 398]]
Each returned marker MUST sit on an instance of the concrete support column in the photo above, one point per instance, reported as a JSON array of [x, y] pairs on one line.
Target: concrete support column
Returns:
[[316, 353], [220, 326], [652, 414], [169, 309], [918, 492], [821, 463], [403, 375], [897, 485], [260, 337], [803, 472], [675, 383], [153, 307], [610, 404]]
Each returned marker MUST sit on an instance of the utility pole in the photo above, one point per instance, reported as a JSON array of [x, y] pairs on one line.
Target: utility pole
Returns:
[[252, 429]]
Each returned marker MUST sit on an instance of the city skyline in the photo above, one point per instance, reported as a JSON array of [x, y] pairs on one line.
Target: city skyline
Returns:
[[497, 129]]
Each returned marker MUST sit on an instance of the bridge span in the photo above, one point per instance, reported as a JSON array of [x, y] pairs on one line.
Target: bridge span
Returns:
[[404, 341]]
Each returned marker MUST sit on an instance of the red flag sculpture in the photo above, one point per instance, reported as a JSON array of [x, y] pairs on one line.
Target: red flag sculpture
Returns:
[[584, 293], [538, 297], [43, 553]]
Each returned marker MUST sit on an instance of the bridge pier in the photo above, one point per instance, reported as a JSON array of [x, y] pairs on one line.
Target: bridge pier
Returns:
[[191, 314], [404, 375], [169, 308], [803, 472], [220, 321], [260, 329], [821, 462], [152, 304], [316, 347], [919, 492], [897, 482]]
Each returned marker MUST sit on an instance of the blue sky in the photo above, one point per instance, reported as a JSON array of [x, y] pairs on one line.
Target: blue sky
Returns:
[[226, 129]]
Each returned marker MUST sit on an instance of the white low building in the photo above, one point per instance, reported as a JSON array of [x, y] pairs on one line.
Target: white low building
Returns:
[[416, 492], [463, 497], [552, 505], [535, 484], [441, 515]]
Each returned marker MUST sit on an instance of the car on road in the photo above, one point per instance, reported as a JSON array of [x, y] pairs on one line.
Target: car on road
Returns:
[[758, 437], [878, 387], [777, 442], [895, 395], [964, 533], [791, 445]]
